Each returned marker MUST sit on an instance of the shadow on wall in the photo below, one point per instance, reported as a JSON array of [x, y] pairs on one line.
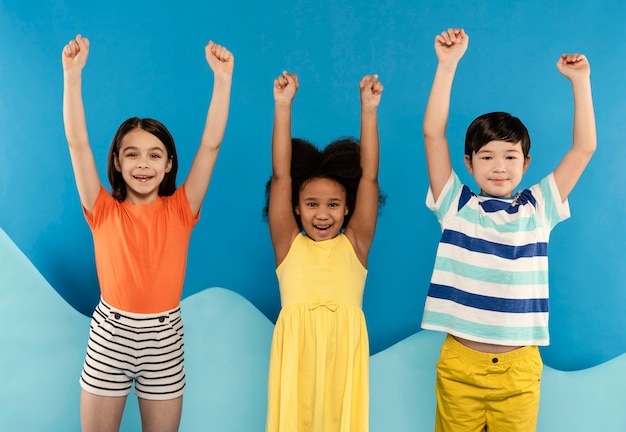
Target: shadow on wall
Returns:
[[227, 343]]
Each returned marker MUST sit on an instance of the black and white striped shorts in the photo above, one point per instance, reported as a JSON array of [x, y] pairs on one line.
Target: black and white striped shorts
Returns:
[[145, 348]]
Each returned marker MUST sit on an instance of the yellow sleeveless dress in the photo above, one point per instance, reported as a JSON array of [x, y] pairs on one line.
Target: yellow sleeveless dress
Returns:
[[319, 363]]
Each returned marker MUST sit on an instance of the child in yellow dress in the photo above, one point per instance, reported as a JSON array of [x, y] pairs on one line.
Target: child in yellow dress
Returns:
[[322, 213]]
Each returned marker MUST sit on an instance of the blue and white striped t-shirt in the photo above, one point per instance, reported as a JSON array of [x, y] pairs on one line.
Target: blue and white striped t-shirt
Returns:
[[490, 281]]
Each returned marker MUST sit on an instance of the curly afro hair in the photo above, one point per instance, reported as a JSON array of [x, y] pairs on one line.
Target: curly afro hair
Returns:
[[339, 161]]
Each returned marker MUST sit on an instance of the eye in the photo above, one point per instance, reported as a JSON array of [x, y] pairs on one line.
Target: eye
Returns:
[[311, 204], [155, 156], [486, 158], [511, 157], [130, 155], [333, 205]]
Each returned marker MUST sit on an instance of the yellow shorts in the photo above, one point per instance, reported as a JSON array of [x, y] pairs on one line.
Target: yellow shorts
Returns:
[[479, 391]]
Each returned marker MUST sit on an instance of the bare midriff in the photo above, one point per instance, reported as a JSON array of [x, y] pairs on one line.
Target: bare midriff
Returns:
[[485, 347]]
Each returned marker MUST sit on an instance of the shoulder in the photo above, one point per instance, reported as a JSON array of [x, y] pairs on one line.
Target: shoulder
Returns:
[[179, 202], [547, 196], [180, 194], [454, 195], [344, 243], [104, 201], [297, 248], [545, 190], [105, 209]]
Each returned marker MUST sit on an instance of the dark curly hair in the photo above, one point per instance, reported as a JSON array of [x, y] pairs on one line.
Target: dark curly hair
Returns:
[[156, 128], [494, 126], [339, 161]]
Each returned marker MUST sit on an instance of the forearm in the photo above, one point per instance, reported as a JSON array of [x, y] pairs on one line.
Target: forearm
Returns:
[[438, 106], [584, 134], [369, 144], [281, 140], [435, 123], [575, 161], [74, 111], [217, 115]]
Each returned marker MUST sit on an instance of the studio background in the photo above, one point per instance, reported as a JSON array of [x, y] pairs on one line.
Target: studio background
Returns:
[[147, 59]]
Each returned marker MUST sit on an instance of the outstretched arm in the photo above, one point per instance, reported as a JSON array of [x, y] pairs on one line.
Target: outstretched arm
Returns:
[[222, 63], [283, 226], [74, 58], [362, 225], [575, 67], [450, 46]]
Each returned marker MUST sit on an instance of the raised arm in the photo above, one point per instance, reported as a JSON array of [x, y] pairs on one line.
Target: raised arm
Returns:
[[450, 46], [362, 225], [222, 63], [575, 67], [74, 58], [283, 226]]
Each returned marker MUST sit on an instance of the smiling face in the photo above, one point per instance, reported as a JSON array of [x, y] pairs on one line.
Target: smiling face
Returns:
[[143, 162], [322, 208], [498, 167]]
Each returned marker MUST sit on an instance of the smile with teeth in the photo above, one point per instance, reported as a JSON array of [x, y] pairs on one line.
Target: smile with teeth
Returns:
[[142, 178], [321, 227]]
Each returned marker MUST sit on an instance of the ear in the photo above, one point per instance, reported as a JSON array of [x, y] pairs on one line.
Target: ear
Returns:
[[526, 163], [116, 162], [468, 164], [346, 212], [297, 209], [168, 167]]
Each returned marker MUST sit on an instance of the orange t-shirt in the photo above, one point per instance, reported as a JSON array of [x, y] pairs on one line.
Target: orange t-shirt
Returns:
[[141, 250]]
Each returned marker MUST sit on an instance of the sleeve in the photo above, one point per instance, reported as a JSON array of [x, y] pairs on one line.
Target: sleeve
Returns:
[[99, 208], [184, 208], [555, 210], [448, 199]]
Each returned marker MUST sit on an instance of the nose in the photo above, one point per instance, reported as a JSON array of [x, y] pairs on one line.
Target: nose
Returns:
[[499, 167], [142, 163], [322, 214]]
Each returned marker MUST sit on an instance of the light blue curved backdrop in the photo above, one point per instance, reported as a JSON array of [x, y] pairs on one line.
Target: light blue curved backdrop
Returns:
[[227, 344], [147, 59]]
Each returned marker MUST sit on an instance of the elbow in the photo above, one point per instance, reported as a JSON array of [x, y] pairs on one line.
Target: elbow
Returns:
[[433, 134], [585, 153], [433, 129], [590, 148], [278, 177]]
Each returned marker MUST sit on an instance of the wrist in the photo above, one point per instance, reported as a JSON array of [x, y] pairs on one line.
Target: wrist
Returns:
[[72, 72], [448, 64], [283, 105], [369, 109], [224, 78], [72, 77], [577, 81]]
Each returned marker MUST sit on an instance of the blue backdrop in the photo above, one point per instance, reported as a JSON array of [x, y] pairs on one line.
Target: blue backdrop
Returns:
[[147, 59]]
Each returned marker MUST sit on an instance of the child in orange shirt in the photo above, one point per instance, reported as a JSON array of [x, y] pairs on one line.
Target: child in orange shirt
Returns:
[[141, 234]]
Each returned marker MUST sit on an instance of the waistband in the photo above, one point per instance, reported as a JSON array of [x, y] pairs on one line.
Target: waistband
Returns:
[[137, 320], [480, 357]]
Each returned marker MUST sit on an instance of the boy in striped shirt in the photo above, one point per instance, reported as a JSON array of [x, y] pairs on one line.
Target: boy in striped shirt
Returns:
[[489, 288]]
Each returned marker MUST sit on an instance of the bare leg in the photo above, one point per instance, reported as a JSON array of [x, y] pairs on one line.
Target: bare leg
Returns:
[[161, 416], [100, 413]]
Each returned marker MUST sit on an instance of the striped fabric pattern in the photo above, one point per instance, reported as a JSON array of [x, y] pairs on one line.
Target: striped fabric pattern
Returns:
[[125, 347], [490, 278]]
